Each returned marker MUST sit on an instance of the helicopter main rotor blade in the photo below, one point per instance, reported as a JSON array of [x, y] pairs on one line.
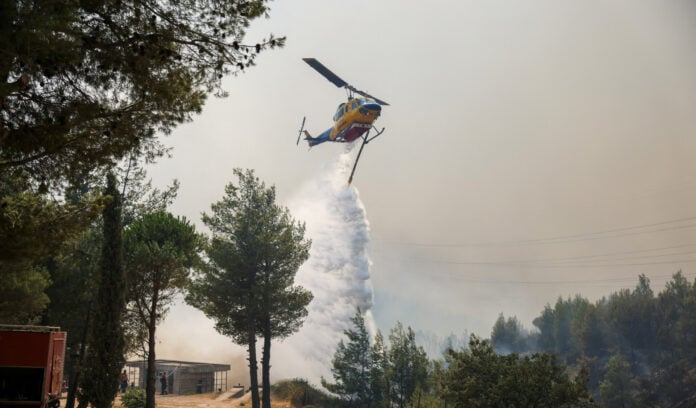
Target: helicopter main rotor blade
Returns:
[[358, 91], [333, 78]]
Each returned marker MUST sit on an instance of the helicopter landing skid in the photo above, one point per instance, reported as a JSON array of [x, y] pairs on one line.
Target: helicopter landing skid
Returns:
[[366, 139]]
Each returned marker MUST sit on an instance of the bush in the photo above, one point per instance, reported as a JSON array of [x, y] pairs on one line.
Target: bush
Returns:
[[134, 398], [301, 393]]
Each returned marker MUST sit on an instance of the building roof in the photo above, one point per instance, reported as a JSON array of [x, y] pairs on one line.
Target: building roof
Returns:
[[187, 365]]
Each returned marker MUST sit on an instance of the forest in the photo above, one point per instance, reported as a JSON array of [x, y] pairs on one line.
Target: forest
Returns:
[[639, 347], [632, 348]]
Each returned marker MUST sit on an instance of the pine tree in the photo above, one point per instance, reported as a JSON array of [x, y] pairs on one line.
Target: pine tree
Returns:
[[408, 365], [379, 384], [478, 377], [619, 388], [247, 287], [353, 366], [161, 249]]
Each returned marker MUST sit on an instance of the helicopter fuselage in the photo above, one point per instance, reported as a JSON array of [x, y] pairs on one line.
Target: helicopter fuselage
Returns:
[[353, 118]]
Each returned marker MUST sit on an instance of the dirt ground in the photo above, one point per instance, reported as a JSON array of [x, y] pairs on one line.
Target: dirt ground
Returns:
[[210, 400], [204, 401]]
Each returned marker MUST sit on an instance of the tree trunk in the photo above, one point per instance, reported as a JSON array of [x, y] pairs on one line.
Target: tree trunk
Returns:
[[266, 365], [151, 385], [76, 366], [253, 369]]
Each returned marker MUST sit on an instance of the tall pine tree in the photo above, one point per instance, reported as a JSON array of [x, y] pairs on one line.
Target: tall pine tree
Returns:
[[247, 287], [161, 250], [353, 365]]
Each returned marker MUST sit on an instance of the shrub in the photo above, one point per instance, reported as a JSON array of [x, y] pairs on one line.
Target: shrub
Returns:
[[301, 393], [134, 398]]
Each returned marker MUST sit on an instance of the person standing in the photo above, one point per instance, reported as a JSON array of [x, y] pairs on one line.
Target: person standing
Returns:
[[163, 382], [124, 382]]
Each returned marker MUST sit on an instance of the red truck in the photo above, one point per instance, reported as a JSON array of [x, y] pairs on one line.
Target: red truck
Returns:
[[31, 366]]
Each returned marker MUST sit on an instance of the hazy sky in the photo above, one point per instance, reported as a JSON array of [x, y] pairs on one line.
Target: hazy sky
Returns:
[[533, 149]]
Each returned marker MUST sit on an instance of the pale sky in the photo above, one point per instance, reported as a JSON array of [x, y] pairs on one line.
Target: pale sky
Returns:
[[532, 149]]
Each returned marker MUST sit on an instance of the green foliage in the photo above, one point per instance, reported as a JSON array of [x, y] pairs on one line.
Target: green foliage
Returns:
[[379, 382], [133, 398], [654, 334], [353, 365], [255, 244], [686, 326], [105, 357], [248, 285], [377, 374], [619, 388], [85, 84], [73, 289], [408, 365], [631, 314], [422, 399], [161, 249], [74, 271], [508, 336], [31, 228], [22, 296], [480, 377], [592, 331], [301, 393]]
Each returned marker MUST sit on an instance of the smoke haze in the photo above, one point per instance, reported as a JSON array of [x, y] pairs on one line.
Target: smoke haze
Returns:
[[337, 273]]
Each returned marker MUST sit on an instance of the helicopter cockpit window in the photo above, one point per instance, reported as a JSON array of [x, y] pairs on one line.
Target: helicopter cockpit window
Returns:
[[339, 112]]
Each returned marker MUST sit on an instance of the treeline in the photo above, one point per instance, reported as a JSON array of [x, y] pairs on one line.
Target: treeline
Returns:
[[396, 372], [638, 347], [633, 348]]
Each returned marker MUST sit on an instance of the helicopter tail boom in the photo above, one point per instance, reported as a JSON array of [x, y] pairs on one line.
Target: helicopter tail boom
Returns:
[[313, 141]]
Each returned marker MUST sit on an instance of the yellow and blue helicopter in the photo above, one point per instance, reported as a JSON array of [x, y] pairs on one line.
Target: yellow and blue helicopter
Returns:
[[353, 119]]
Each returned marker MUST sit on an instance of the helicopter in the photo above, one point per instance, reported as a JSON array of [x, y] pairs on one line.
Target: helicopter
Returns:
[[353, 119]]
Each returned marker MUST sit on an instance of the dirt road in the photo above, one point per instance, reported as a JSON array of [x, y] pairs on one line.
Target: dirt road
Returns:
[[203, 401], [210, 401]]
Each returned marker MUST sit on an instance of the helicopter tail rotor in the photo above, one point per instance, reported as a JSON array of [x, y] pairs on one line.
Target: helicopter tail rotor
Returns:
[[301, 130]]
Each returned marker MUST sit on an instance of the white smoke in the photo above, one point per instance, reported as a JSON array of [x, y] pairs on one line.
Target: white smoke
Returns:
[[337, 272]]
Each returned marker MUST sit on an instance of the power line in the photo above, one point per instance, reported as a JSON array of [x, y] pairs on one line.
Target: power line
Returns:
[[554, 262], [563, 266], [606, 281], [603, 234], [611, 254]]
